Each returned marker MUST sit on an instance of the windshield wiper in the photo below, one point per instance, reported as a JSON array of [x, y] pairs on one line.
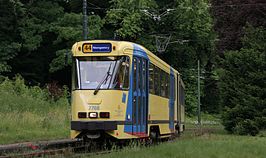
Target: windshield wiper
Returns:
[[104, 80]]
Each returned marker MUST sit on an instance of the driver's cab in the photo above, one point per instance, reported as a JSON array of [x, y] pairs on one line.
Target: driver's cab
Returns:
[[101, 73]]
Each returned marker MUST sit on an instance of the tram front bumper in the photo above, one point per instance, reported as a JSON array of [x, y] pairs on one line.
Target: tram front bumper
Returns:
[[94, 125]]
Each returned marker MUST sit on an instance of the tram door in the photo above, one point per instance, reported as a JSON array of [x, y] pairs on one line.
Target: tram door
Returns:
[[140, 96], [172, 102]]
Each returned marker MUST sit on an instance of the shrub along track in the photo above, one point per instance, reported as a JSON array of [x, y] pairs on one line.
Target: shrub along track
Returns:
[[73, 148]]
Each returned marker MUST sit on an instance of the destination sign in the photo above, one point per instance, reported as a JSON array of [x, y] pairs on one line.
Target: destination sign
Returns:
[[97, 47]]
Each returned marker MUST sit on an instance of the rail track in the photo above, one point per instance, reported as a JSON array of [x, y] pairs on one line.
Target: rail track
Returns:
[[69, 147], [35, 149], [64, 147]]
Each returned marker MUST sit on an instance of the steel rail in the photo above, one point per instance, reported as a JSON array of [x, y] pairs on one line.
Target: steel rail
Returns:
[[73, 148], [36, 146]]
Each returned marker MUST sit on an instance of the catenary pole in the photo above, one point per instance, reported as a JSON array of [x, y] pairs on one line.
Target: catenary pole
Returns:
[[199, 114], [85, 20]]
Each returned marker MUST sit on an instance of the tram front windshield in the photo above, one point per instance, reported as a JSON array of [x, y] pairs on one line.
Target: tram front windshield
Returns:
[[102, 72]]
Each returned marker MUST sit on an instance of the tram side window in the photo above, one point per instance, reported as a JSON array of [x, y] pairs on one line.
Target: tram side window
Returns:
[[139, 72], [166, 85], [181, 94], [143, 74], [74, 75], [167, 82], [122, 77], [135, 74], [157, 81], [126, 73], [151, 78], [174, 88], [162, 76]]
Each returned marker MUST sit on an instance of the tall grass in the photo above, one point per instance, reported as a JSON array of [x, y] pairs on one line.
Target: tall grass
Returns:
[[206, 146], [30, 114], [208, 119]]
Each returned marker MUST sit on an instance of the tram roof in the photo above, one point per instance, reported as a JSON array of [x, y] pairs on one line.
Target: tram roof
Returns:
[[121, 47]]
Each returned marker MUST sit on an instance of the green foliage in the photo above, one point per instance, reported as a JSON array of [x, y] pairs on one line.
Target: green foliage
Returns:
[[27, 98], [43, 32], [246, 127], [207, 120], [62, 60], [193, 22], [69, 30], [190, 23], [127, 17], [36, 36], [30, 113], [10, 11], [242, 84], [8, 50], [95, 24], [37, 22]]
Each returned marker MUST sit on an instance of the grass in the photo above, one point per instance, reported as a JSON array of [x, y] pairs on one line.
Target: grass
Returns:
[[29, 114], [210, 145], [205, 119]]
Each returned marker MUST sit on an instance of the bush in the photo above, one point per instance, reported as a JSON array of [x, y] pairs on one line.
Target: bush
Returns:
[[29, 113], [246, 127], [242, 85], [237, 116], [261, 121], [15, 95]]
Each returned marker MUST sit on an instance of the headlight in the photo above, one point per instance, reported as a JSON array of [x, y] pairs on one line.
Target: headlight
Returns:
[[93, 114], [104, 115], [82, 115]]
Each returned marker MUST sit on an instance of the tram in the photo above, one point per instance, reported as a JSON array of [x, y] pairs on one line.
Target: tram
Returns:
[[122, 90]]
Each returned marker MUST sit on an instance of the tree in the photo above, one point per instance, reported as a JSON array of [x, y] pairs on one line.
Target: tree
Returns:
[[127, 18], [189, 23], [10, 12], [41, 33], [193, 29], [230, 19], [36, 38], [232, 16], [45, 31], [242, 84], [69, 30]]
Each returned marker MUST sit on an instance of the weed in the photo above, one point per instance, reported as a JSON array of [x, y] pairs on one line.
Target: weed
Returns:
[[205, 146], [28, 114]]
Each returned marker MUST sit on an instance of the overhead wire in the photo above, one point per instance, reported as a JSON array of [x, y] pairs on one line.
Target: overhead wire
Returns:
[[181, 41], [236, 5], [96, 7]]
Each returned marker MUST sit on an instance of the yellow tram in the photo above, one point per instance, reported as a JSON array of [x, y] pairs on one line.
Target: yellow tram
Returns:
[[122, 90]]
